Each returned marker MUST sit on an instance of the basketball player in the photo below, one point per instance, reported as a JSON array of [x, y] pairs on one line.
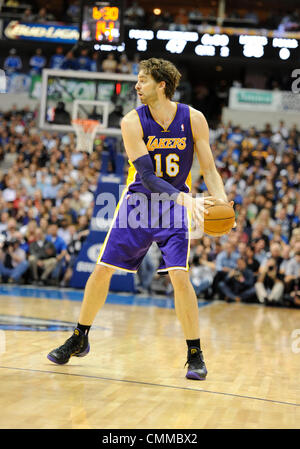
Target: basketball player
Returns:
[[160, 138]]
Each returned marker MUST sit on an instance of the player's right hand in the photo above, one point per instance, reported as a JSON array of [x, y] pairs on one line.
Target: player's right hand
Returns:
[[199, 209]]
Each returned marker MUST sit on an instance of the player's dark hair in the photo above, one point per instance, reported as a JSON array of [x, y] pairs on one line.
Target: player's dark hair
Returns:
[[162, 70]]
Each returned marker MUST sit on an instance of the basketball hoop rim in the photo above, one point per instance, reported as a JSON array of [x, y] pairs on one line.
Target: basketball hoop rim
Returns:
[[88, 125]]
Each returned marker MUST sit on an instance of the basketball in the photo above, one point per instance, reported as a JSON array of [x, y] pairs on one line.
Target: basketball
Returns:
[[220, 219]]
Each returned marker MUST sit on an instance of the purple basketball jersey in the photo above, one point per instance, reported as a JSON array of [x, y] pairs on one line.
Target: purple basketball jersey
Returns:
[[127, 241], [171, 149]]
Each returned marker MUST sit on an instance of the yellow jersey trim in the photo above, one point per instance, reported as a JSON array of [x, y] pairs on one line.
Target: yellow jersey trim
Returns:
[[115, 266], [167, 128]]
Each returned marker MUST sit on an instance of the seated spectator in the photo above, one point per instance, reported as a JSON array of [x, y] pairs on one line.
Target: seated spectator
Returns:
[[83, 60], [265, 220], [44, 16], [269, 286], [69, 62], [13, 263], [57, 59], [73, 11], [135, 64], [282, 219], [42, 258], [94, 63], [4, 217], [13, 63], [202, 271], [37, 62], [85, 195], [29, 231], [110, 64], [10, 229], [124, 65], [285, 259], [77, 239], [61, 251], [225, 261], [28, 16], [292, 273], [259, 246], [238, 284], [51, 191], [251, 261]]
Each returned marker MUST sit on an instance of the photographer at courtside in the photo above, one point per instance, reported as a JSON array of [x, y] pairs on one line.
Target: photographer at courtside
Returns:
[[13, 263]]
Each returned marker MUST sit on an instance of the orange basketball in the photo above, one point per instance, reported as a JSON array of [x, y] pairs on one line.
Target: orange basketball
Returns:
[[220, 219]]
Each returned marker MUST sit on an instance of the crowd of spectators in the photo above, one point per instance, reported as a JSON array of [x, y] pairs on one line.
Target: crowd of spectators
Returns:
[[81, 59], [189, 18], [47, 198], [186, 18]]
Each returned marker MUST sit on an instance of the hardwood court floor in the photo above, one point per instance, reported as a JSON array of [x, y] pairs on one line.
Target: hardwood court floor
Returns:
[[134, 376]]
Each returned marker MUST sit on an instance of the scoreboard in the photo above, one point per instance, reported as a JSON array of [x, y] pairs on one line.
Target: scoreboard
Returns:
[[101, 22]]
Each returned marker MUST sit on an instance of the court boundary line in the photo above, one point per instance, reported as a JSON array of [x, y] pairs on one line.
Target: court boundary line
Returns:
[[175, 387]]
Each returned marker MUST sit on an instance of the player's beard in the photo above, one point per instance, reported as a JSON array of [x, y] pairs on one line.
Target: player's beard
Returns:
[[148, 99]]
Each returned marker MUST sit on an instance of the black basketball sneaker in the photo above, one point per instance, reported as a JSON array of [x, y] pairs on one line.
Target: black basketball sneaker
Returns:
[[77, 345], [196, 365]]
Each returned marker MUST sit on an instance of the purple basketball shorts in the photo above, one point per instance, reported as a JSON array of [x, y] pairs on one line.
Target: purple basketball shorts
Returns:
[[137, 223]]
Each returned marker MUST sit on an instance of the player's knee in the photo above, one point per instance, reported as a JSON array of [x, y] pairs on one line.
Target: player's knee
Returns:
[[179, 278], [101, 272]]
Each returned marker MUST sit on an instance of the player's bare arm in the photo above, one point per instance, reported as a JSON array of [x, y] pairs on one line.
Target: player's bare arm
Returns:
[[132, 134], [203, 151]]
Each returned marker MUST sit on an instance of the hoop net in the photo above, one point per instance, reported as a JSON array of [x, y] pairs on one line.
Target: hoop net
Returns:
[[85, 131]]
